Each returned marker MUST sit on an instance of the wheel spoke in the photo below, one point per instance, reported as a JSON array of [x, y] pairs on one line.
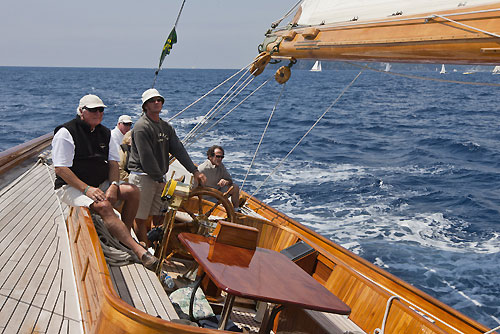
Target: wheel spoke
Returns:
[[200, 205], [209, 212], [193, 217]]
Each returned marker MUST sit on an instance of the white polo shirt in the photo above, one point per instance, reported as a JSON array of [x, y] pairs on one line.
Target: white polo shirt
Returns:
[[63, 149]]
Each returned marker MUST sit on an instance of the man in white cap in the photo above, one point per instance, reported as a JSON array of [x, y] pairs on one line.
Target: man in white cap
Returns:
[[153, 139], [86, 166], [122, 127]]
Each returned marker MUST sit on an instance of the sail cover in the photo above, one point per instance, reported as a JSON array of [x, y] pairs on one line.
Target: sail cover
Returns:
[[315, 12]]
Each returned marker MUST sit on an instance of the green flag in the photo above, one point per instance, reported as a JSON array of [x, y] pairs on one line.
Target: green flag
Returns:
[[171, 40]]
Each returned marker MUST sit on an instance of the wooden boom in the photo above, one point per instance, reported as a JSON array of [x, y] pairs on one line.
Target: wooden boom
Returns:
[[471, 37]]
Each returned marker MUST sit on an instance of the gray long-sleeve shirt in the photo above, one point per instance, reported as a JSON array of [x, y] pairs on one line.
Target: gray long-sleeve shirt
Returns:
[[151, 144]]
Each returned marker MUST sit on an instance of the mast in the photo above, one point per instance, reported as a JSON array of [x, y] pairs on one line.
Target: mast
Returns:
[[391, 31]]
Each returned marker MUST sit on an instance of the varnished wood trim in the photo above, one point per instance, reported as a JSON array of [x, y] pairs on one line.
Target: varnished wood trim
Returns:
[[14, 156], [113, 315], [85, 269]]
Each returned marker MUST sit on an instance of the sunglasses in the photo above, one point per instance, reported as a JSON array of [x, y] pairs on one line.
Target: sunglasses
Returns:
[[219, 156], [97, 109], [155, 99], [127, 124]]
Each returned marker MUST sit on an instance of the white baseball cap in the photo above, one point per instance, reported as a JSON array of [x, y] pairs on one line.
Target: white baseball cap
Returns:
[[149, 94], [91, 101], [124, 119]]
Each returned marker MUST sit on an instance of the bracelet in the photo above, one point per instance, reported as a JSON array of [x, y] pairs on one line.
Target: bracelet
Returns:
[[86, 189]]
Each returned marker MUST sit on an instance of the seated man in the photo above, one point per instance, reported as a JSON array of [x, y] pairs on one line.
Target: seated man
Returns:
[[217, 175], [86, 166], [124, 152]]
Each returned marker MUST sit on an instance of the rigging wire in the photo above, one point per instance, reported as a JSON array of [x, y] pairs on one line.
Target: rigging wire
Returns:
[[207, 93], [262, 137], [277, 22], [410, 76], [212, 113], [308, 131], [230, 111], [464, 25]]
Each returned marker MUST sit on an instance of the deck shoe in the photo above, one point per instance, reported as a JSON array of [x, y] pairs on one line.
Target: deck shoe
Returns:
[[149, 261]]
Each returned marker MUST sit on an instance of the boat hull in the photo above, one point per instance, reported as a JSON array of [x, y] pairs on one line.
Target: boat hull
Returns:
[[363, 286]]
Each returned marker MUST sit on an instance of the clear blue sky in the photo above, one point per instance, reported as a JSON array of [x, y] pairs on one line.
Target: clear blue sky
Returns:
[[126, 33]]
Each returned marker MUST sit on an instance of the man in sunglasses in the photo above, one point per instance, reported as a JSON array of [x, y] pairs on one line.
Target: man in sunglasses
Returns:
[[217, 175], [122, 127], [153, 140], [86, 166]]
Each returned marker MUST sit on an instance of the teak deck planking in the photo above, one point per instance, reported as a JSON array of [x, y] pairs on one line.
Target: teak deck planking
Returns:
[[37, 289]]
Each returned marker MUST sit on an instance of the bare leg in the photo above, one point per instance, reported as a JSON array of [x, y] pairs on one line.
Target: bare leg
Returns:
[[130, 195], [141, 230], [116, 227]]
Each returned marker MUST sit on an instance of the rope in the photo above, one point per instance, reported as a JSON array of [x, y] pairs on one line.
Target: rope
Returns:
[[308, 131], [277, 22], [230, 111], [491, 331], [464, 25], [42, 159], [207, 93], [424, 78], [115, 253], [262, 137]]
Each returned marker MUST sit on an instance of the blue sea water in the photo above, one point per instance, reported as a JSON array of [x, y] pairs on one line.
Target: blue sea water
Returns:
[[403, 172]]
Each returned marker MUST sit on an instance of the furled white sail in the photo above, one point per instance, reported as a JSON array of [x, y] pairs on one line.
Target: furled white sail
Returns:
[[316, 67], [315, 12]]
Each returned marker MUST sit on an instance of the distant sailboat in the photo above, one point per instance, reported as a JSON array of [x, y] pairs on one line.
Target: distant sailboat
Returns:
[[316, 67], [496, 70], [443, 70], [387, 67]]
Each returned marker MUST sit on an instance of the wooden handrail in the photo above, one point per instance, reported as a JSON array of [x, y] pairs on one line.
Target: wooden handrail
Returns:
[[14, 156]]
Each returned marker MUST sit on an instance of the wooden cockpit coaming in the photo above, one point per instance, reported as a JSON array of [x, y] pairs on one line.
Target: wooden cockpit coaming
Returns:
[[332, 258]]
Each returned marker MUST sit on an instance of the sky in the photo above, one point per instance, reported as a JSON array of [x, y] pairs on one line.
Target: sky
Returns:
[[131, 34]]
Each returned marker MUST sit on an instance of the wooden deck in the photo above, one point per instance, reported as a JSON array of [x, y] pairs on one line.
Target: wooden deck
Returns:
[[37, 289], [141, 289]]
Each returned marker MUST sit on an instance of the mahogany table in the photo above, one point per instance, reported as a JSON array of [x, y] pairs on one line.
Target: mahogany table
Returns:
[[259, 274]]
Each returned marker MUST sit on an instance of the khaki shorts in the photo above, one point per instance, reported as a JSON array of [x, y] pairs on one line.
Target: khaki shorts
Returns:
[[74, 197], [151, 203]]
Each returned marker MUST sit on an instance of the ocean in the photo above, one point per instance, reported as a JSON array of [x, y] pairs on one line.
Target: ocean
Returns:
[[403, 172]]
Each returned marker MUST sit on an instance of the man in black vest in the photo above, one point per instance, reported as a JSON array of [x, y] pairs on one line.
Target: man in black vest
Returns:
[[86, 167]]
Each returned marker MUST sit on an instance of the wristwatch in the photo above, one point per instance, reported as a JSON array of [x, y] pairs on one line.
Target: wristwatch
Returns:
[[115, 183]]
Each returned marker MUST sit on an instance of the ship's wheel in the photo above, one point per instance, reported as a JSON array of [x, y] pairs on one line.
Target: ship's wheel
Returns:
[[205, 215]]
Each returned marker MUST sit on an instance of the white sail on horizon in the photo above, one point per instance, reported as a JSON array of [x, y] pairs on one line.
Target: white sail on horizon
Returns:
[[387, 67], [443, 69], [496, 70], [316, 67]]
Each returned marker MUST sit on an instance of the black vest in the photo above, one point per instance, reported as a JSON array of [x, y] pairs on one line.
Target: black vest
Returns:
[[90, 163]]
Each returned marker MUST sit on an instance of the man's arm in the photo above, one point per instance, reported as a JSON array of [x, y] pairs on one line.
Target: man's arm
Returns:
[[113, 175], [72, 180]]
